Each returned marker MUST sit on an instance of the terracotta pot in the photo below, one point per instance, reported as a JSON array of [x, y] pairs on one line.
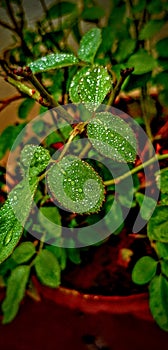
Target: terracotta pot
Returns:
[[67, 319]]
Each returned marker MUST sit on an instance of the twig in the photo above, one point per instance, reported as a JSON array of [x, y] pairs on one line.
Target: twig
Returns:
[[6, 101], [136, 170], [124, 73]]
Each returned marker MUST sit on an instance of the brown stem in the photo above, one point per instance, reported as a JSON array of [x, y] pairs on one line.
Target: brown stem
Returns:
[[124, 73], [6, 101]]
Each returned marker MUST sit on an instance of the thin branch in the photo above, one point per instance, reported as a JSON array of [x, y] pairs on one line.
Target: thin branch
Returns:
[[6, 101], [6, 25], [124, 73], [136, 170]]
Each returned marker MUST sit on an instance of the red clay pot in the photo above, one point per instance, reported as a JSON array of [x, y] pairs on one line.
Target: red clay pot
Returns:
[[66, 319]]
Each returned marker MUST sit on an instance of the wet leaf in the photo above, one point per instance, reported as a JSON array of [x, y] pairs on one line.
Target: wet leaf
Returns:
[[47, 269], [34, 159], [73, 90], [16, 286], [112, 137], [158, 301], [13, 216], [89, 45], [76, 185], [144, 270], [53, 61], [94, 86]]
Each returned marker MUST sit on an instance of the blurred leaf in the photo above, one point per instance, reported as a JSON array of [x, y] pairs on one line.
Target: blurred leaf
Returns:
[[25, 108], [93, 13], [23, 253], [50, 220], [162, 48], [112, 137], [162, 249], [144, 270], [53, 61], [89, 45], [125, 49], [47, 269], [142, 62], [157, 225], [8, 137], [147, 205], [73, 90], [158, 301], [162, 180], [16, 286], [60, 9], [76, 185], [150, 29], [164, 267], [60, 254]]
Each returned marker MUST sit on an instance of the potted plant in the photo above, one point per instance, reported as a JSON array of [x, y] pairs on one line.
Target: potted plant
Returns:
[[87, 205]]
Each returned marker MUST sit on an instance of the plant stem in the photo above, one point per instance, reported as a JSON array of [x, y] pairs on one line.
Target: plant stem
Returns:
[[24, 88], [124, 73], [145, 113], [136, 170], [77, 130]]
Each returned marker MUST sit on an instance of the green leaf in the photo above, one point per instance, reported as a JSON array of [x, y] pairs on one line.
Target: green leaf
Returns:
[[25, 108], [147, 205], [142, 62], [74, 255], [94, 86], [144, 270], [125, 49], [157, 225], [162, 180], [76, 185], [115, 219], [23, 253], [164, 267], [89, 45], [158, 301], [73, 89], [34, 159], [60, 254], [16, 286], [162, 48], [50, 220], [47, 269], [112, 137], [8, 136], [60, 9], [150, 29], [53, 61], [13, 216], [93, 13], [162, 249]]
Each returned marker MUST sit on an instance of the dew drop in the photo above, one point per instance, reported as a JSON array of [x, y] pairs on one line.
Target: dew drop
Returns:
[[8, 237]]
